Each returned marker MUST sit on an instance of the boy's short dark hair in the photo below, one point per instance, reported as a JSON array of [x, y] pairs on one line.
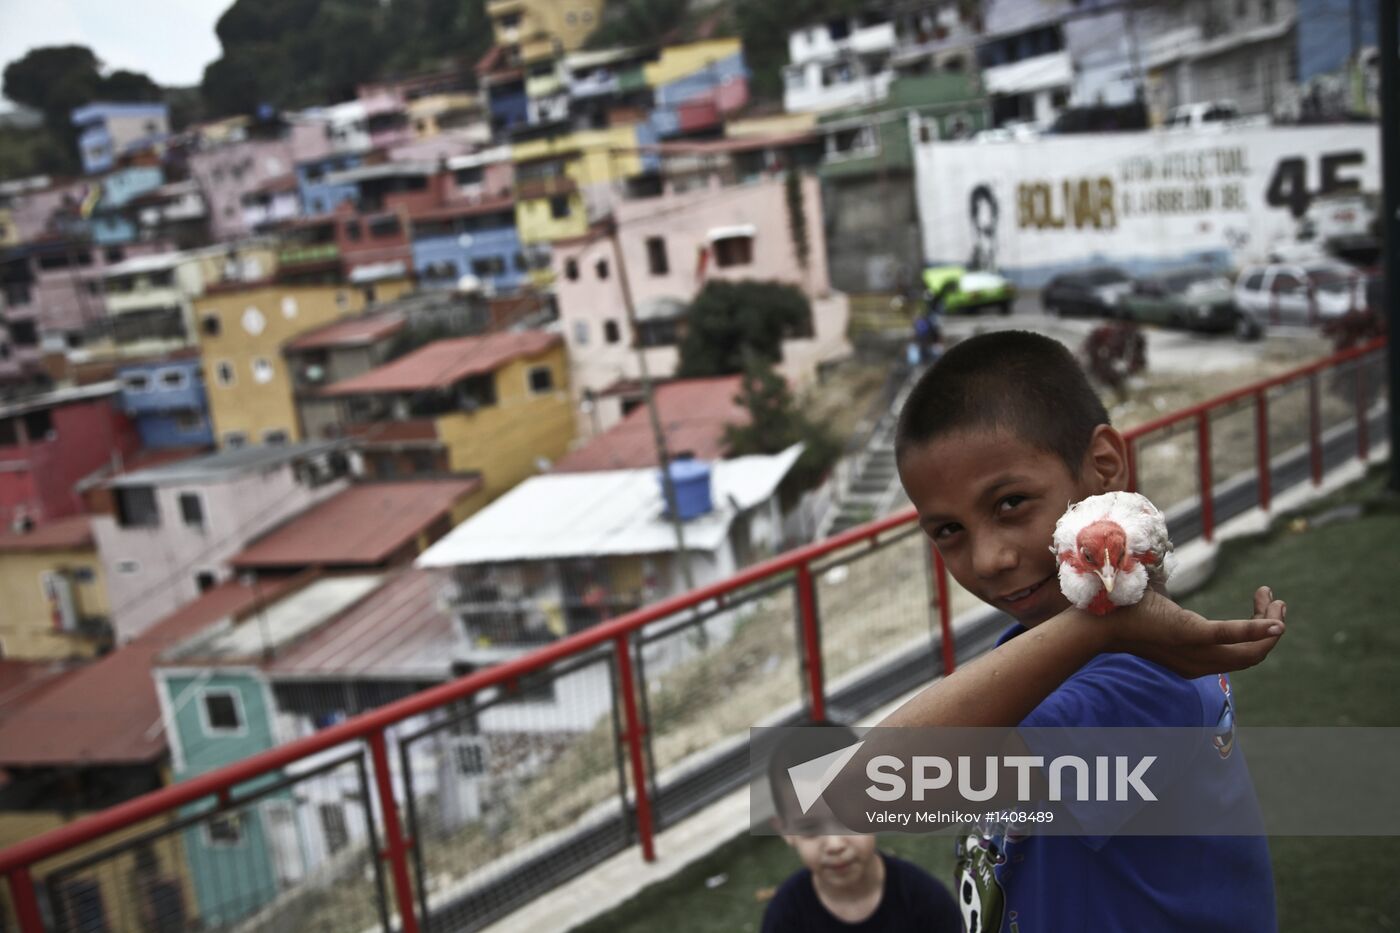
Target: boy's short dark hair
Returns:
[[1016, 381], [798, 745]]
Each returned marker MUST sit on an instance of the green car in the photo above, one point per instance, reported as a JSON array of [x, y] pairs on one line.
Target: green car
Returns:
[[972, 291], [1195, 299]]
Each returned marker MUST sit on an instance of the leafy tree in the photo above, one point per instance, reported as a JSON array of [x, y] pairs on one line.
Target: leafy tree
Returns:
[[729, 319], [637, 22], [775, 423]]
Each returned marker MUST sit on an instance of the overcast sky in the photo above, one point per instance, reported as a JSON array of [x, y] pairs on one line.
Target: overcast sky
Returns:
[[170, 40]]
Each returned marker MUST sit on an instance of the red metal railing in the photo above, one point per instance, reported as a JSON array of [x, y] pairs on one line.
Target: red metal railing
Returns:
[[17, 862]]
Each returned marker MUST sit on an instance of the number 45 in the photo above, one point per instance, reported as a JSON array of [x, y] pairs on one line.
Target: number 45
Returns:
[[1289, 185]]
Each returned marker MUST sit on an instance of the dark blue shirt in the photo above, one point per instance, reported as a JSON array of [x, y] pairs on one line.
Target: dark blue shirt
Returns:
[[1050, 884], [913, 902]]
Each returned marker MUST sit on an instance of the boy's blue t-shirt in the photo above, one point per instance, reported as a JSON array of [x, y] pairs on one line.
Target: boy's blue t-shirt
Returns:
[[1136, 883]]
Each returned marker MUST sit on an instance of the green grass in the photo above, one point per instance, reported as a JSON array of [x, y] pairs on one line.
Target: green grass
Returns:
[[1338, 665]]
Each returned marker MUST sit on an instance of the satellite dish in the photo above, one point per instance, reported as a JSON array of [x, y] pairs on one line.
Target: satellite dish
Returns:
[[469, 283]]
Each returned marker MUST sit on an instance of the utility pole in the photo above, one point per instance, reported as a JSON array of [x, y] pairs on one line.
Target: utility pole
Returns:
[[1390, 201], [663, 457]]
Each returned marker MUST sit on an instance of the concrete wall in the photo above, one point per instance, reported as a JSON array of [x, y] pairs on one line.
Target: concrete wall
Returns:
[[27, 626], [39, 476]]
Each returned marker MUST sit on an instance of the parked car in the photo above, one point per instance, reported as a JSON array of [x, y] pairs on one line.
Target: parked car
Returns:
[[1304, 293], [1196, 299], [1089, 291], [972, 291]]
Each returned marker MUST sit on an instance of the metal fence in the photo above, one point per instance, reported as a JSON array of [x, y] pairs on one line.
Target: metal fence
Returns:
[[450, 808]]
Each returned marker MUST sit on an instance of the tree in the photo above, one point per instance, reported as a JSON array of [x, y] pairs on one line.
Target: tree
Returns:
[[775, 424], [729, 319], [637, 22]]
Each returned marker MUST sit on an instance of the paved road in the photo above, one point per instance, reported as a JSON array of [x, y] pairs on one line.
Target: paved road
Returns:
[[1168, 350]]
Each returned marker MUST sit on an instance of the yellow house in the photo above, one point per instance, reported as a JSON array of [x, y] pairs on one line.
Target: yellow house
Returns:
[[559, 182], [52, 591], [241, 333], [679, 61], [496, 405]]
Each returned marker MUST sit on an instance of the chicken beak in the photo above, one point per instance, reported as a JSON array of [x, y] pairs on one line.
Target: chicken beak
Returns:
[[1108, 573]]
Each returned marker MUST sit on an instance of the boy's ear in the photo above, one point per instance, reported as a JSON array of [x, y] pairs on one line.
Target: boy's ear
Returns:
[[1106, 460]]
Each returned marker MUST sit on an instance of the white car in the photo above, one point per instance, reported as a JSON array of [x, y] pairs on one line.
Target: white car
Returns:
[[1303, 293]]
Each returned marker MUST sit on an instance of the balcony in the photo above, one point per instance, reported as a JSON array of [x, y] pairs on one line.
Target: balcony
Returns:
[[532, 188], [308, 255]]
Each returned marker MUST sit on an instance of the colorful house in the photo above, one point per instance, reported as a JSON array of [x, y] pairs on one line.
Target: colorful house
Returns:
[[166, 533], [108, 131], [496, 405], [51, 584], [49, 442], [317, 195], [253, 155], [563, 182], [241, 331], [166, 399], [111, 222], [475, 243]]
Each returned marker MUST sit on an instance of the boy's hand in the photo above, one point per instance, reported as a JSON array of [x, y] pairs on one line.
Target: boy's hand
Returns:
[[1190, 644]]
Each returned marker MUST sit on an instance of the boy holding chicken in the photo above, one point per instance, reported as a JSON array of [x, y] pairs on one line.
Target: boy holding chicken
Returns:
[[995, 440]]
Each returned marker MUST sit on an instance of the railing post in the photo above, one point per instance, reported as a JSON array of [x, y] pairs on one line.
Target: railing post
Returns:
[[945, 612], [811, 642], [1132, 465], [633, 738], [1314, 429], [25, 903], [1261, 443], [1363, 434], [1203, 461], [396, 848]]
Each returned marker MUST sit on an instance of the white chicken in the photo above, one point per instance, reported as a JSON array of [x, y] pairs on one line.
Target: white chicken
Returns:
[[1110, 548]]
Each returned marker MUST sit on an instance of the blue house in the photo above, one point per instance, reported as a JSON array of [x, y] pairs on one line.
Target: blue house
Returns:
[[319, 197], [509, 105], [166, 399], [477, 239], [108, 131], [112, 225]]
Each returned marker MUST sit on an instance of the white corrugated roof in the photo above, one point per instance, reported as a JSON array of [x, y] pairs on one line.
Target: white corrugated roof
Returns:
[[1031, 74], [565, 515]]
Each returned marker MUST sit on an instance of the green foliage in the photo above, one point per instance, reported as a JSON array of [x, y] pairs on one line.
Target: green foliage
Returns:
[[637, 22], [56, 80], [764, 26], [730, 320], [775, 424], [299, 53]]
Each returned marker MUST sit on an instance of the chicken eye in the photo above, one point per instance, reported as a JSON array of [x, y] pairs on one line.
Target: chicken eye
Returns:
[[1087, 555]]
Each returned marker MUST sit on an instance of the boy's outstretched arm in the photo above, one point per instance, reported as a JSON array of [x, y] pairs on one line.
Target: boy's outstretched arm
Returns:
[[1003, 686]]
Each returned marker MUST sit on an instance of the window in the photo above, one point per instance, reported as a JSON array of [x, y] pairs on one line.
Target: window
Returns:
[[333, 825], [611, 332], [225, 830], [571, 270], [352, 229], [189, 422], [541, 379], [113, 254], [38, 425], [223, 713], [192, 509], [1254, 281], [520, 264], [581, 333], [601, 268], [128, 567], [224, 373], [733, 251], [559, 206], [9, 432], [275, 438], [465, 177], [174, 379], [657, 260], [136, 382], [24, 333], [1287, 282], [489, 266], [211, 325], [137, 508], [657, 333], [383, 227], [206, 580], [262, 370], [235, 439]]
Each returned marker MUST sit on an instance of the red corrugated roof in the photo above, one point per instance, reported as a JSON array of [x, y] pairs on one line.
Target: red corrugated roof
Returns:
[[362, 526], [464, 209], [693, 413], [398, 630], [23, 682], [106, 712], [61, 534], [440, 364], [349, 333]]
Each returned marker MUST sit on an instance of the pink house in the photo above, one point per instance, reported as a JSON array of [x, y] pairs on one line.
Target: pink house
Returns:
[[672, 245], [227, 171]]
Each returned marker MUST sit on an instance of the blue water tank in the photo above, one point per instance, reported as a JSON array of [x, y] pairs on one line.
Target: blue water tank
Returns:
[[692, 481]]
